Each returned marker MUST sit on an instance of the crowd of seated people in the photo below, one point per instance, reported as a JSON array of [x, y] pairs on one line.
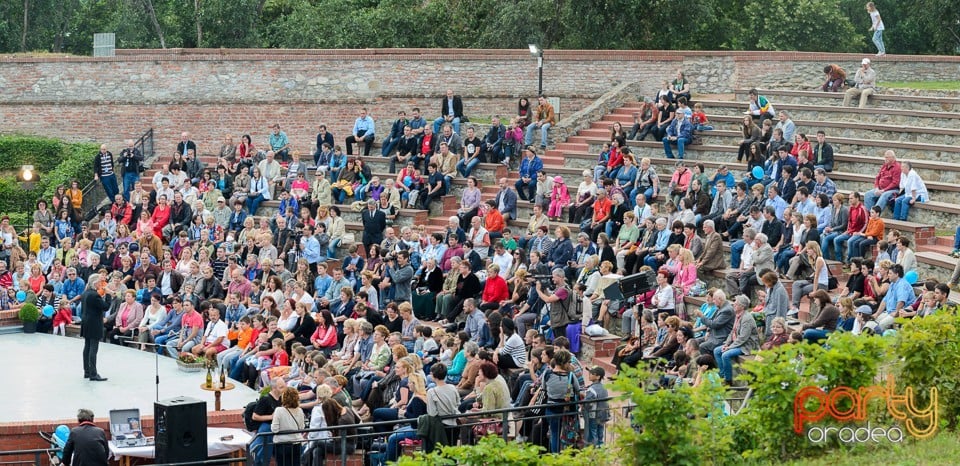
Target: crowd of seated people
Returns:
[[415, 321]]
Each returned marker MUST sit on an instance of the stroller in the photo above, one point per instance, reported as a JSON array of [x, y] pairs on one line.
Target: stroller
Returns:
[[57, 440]]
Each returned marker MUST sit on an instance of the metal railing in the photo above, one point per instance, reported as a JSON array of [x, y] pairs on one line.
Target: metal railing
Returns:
[[37, 453], [363, 440], [93, 193]]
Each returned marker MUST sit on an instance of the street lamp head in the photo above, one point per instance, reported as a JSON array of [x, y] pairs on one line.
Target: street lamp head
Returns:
[[535, 51]]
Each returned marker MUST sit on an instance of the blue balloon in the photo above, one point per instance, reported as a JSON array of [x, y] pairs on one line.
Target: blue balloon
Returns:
[[890, 333], [48, 310], [21, 296], [911, 277], [757, 173]]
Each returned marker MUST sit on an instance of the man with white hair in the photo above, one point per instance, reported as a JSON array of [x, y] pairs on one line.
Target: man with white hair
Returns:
[[762, 261], [743, 339], [712, 257], [453, 229], [718, 326]]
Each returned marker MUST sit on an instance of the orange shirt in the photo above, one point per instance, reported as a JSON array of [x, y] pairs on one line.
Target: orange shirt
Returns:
[[601, 209], [243, 337], [874, 228]]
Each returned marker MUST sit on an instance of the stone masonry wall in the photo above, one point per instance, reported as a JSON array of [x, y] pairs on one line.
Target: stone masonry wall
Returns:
[[216, 92]]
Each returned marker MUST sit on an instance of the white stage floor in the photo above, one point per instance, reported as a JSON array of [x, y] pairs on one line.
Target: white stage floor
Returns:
[[46, 380]]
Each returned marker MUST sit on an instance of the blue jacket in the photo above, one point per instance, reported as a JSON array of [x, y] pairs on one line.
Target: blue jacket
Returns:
[[529, 168], [170, 324], [237, 219], [685, 132], [561, 253]]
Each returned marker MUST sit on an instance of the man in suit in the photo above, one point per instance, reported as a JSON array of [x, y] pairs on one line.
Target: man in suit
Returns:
[[87, 444], [719, 326], [374, 223], [451, 111], [93, 308], [506, 200], [712, 256]]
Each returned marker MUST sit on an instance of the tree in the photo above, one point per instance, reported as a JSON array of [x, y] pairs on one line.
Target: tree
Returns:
[[805, 25]]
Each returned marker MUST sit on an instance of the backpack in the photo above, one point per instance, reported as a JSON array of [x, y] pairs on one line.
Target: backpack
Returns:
[[248, 423]]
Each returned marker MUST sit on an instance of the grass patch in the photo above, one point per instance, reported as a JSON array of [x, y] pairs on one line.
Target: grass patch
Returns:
[[944, 449], [923, 85]]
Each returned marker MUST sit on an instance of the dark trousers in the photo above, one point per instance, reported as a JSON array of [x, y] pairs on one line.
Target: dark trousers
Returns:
[[90, 348], [367, 144]]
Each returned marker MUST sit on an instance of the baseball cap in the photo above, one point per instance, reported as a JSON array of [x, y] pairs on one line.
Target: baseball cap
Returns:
[[598, 371], [865, 61], [865, 310]]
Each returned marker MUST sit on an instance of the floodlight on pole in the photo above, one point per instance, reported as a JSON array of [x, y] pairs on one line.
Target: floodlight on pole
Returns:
[[536, 51]]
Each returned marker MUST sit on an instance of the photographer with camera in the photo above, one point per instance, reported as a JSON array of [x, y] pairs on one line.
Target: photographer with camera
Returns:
[[399, 275], [559, 301]]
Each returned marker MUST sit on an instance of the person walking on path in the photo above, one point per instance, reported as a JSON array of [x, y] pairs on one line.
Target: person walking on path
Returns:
[[876, 25]]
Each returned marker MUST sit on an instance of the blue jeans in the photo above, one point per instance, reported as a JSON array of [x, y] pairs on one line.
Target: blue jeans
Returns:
[[253, 203], [783, 259], [956, 239], [647, 193], [826, 244], [129, 179], [901, 207], [725, 361], [466, 168], [554, 418], [384, 414], [736, 251], [388, 145], [161, 342], [526, 191], [857, 245], [439, 121], [814, 335], [838, 243], [544, 129], [332, 249], [595, 433], [874, 197], [393, 442], [878, 41], [680, 142], [262, 447], [110, 186]]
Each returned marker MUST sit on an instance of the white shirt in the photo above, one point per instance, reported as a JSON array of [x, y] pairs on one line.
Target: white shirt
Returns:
[[216, 330], [504, 261], [911, 182]]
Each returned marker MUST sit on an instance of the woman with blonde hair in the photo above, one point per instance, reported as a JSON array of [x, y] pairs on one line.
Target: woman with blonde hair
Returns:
[[819, 280], [686, 275]]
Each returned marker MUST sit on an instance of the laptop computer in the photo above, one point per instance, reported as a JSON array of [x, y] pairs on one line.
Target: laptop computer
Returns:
[[125, 430]]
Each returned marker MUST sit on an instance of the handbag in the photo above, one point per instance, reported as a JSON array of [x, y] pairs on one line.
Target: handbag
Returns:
[[538, 399], [487, 427]]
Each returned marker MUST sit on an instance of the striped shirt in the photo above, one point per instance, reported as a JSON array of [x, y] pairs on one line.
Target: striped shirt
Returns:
[[515, 348]]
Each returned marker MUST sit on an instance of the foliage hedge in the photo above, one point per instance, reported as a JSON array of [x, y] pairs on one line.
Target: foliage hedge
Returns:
[[56, 162]]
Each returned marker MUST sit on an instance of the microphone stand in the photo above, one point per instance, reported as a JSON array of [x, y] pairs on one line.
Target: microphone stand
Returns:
[[156, 362]]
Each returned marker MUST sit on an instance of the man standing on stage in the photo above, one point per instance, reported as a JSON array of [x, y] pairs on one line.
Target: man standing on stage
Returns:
[[87, 445], [93, 308]]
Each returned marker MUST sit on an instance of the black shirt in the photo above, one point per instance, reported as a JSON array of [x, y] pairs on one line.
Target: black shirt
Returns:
[[266, 405], [472, 146]]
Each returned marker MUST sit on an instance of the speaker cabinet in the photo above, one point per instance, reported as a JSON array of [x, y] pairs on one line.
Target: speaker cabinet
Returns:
[[180, 426]]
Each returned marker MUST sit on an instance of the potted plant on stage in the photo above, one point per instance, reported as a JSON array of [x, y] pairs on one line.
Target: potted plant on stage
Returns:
[[29, 315]]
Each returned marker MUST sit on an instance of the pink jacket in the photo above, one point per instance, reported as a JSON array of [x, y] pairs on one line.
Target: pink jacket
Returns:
[[686, 277], [560, 195]]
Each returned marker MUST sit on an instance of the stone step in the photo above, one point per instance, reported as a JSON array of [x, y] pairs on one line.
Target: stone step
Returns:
[[935, 265], [883, 99], [826, 113]]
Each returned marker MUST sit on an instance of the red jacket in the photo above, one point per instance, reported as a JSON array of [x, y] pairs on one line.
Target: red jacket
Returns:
[[858, 219], [888, 178], [124, 215], [495, 290]]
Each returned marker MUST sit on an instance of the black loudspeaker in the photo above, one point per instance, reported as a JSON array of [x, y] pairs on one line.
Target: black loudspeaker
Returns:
[[638, 283], [180, 429]]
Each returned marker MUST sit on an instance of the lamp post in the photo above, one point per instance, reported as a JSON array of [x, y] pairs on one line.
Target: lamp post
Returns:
[[537, 52], [28, 176]]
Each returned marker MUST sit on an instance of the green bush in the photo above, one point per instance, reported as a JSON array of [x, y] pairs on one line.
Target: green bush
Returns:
[[493, 450], [685, 426], [764, 429], [28, 313], [930, 351]]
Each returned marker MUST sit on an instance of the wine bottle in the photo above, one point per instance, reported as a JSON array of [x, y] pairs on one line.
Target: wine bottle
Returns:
[[223, 377], [209, 378]]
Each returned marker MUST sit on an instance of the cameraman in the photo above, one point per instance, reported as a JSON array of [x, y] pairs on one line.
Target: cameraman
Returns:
[[559, 301], [399, 275]]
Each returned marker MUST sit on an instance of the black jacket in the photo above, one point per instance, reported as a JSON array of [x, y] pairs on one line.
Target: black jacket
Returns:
[[373, 225], [87, 446], [94, 308], [457, 106]]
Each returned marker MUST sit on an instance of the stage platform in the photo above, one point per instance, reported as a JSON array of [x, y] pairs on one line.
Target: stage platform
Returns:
[[44, 380]]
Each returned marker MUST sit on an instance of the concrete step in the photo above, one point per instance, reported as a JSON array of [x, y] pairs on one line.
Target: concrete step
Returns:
[[884, 99]]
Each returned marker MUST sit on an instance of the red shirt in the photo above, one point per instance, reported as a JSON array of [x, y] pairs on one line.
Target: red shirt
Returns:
[[493, 221], [191, 320], [280, 358], [615, 160], [889, 177], [601, 209]]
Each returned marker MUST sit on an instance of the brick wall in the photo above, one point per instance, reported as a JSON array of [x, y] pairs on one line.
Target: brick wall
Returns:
[[214, 92]]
